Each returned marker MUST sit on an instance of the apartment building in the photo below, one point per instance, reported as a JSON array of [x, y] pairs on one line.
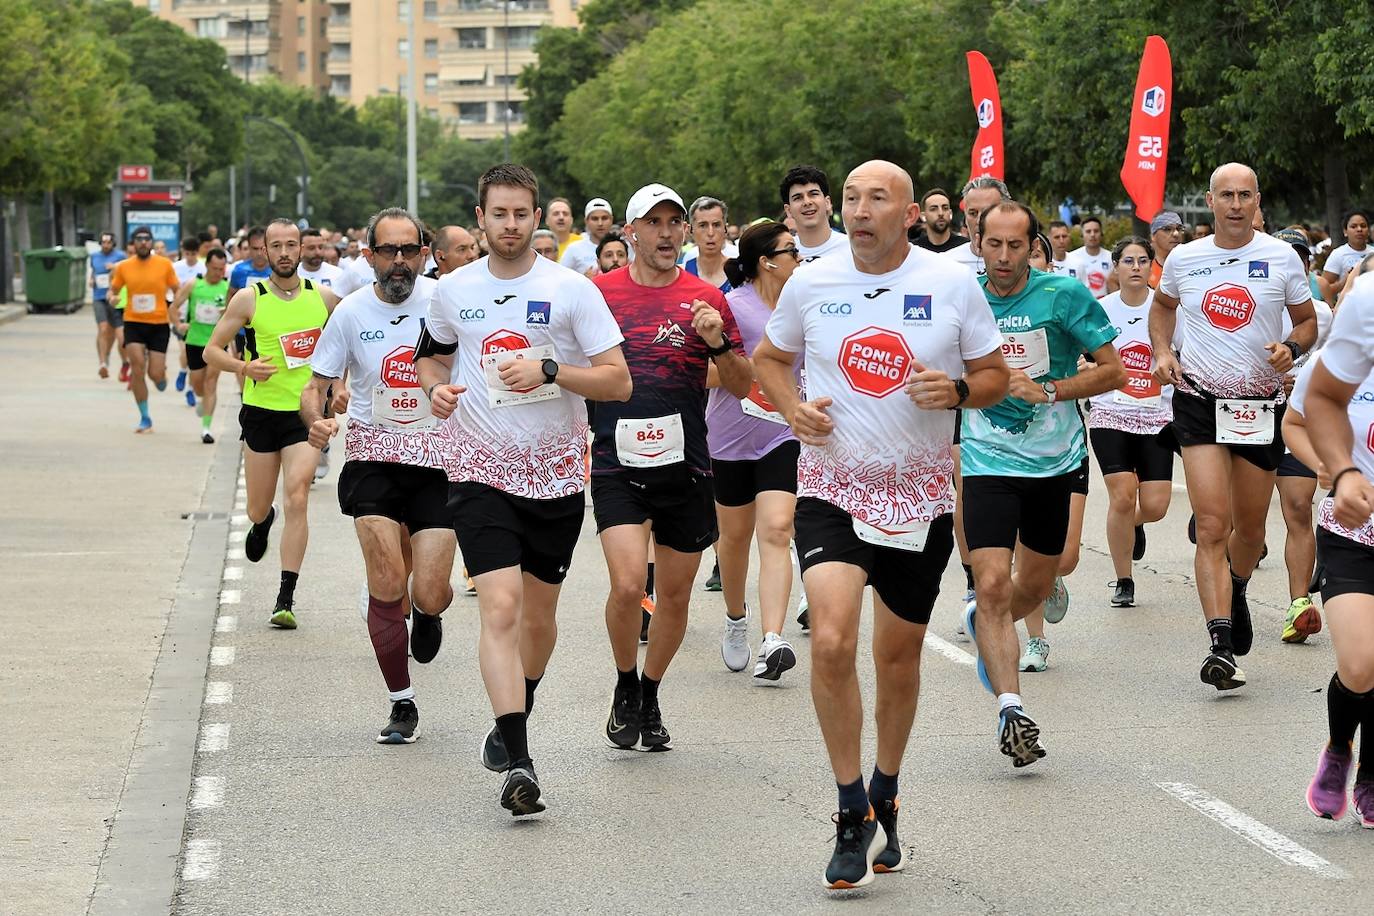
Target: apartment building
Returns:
[[280, 38]]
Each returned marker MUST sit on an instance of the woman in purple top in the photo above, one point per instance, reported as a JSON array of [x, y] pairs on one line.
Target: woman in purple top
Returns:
[[754, 460]]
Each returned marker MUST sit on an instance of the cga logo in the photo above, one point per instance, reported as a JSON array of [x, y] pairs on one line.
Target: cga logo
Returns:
[[1152, 102], [471, 314], [836, 308], [916, 308], [372, 335], [986, 114]]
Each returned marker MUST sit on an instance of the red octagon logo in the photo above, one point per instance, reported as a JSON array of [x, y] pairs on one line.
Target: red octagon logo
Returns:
[[504, 341], [398, 369], [1228, 307], [875, 362], [1370, 439], [1137, 356]]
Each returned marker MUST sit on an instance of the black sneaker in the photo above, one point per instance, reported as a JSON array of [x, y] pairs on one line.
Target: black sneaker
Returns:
[[644, 622], [859, 839], [255, 544], [1019, 738], [1192, 529], [804, 620], [1124, 596], [893, 857], [713, 583], [1219, 669], [426, 634], [520, 792], [494, 754], [400, 728], [653, 736], [1138, 551], [622, 728], [207, 438], [1242, 630]]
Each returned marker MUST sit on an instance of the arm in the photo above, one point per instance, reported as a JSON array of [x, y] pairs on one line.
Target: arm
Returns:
[[330, 298], [1328, 405], [1300, 444], [322, 428], [235, 318], [435, 370], [1163, 319], [179, 303], [986, 377], [1304, 334], [808, 419], [606, 379], [733, 370]]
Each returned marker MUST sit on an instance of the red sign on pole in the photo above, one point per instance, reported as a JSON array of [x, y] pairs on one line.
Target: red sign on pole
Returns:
[[1147, 146], [135, 173], [987, 156]]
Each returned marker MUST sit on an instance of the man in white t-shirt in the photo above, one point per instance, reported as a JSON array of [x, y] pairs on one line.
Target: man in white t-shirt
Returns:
[[1091, 264], [805, 195], [981, 193], [581, 254], [1059, 243], [511, 346], [893, 338], [313, 265], [392, 483], [1230, 290], [356, 274]]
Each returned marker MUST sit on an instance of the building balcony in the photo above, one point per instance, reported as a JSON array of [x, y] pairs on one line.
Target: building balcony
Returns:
[[452, 54], [339, 28], [336, 64], [455, 93]]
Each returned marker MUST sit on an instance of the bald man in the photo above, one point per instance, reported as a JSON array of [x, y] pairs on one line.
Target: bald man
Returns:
[[861, 321], [454, 246]]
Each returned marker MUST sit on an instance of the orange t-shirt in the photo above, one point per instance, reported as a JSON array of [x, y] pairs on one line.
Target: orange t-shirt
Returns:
[[148, 282], [1156, 271]]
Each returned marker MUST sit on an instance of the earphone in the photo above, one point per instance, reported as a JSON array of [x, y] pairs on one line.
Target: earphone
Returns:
[[770, 265]]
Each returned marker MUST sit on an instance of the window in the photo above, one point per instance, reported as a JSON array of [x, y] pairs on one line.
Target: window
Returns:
[[210, 28], [300, 61], [403, 47], [431, 47], [515, 112], [472, 38], [300, 26], [472, 112], [403, 84], [431, 82], [154, 6], [505, 79], [521, 36], [431, 10], [324, 25], [324, 60], [403, 10]]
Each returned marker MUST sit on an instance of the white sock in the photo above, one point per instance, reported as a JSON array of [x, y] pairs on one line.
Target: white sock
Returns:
[[407, 694], [1007, 699]]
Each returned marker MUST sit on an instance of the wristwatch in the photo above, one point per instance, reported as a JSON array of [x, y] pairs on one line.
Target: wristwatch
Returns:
[[550, 368], [724, 348], [1050, 390], [961, 389], [1295, 348]]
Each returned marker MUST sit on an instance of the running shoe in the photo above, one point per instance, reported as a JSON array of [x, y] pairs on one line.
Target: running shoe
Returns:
[[1192, 529], [181, 380], [520, 792], [1326, 794], [893, 857], [104, 371], [734, 642], [1057, 604], [622, 727], [970, 599], [653, 736], [776, 655], [494, 754], [1219, 669], [322, 466], [1364, 802], [190, 398], [713, 582], [124, 372], [400, 728], [1302, 621], [160, 385], [859, 839], [1019, 737], [1242, 630], [970, 612], [1124, 594], [207, 438], [255, 542], [1138, 551], [283, 618], [804, 616], [145, 425], [1037, 657], [426, 635]]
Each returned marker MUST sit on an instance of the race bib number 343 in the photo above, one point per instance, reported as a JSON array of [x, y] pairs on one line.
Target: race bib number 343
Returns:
[[1242, 421]]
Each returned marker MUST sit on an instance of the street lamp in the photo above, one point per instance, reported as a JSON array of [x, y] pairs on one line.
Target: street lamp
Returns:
[[505, 79]]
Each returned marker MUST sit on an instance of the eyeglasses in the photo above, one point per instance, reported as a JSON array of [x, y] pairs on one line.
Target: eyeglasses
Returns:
[[141, 238], [790, 249], [388, 252]]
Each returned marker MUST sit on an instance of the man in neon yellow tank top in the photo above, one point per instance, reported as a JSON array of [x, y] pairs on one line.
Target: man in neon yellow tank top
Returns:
[[198, 306], [283, 316]]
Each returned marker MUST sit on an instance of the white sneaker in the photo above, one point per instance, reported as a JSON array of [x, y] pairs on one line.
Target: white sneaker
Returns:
[[969, 598], [1037, 657], [775, 656], [734, 644], [322, 466]]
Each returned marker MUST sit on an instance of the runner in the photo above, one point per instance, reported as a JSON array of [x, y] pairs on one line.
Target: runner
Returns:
[[109, 321], [806, 200], [454, 246], [938, 217], [1023, 457], [392, 483], [254, 267], [1343, 257], [186, 268], [283, 317], [559, 219], [150, 283], [580, 255], [875, 500], [201, 301], [612, 253], [1166, 234], [1092, 263], [1234, 287], [650, 465], [545, 244], [1060, 239], [313, 265], [706, 218], [1331, 426], [511, 347]]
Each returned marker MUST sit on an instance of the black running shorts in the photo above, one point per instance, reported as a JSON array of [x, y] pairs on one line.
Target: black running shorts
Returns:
[[266, 431], [153, 335], [195, 357], [497, 530], [1140, 454], [737, 483], [907, 581], [999, 511], [1290, 466], [1195, 424], [416, 497], [678, 504], [1347, 567]]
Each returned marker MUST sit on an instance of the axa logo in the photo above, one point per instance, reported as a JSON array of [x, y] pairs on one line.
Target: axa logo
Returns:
[[836, 308], [986, 113], [471, 314], [1259, 270], [504, 299], [537, 313], [671, 333], [1152, 102], [916, 308], [372, 335]]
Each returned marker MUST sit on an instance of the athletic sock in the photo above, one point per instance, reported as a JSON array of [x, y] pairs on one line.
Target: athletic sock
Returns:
[[649, 581], [968, 575], [882, 787], [286, 595], [205, 422], [531, 685], [648, 689], [627, 680], [1239, 584], [1007, 700], [143, 409], [852, 796], [513, 735], [1220, 631], [1344, 709], [1365, 773], [386, 624]]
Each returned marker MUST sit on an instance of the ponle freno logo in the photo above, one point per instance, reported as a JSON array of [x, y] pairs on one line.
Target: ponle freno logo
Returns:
[[1228, 307], [1137, 356], [504, 341], [398, 369], [1152, 102], [875, 361]]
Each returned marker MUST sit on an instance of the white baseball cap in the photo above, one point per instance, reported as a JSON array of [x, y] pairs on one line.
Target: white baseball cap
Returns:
[[598, 203], [648, 197]]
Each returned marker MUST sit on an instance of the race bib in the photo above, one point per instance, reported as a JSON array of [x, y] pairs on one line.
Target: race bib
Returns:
[[207, 312], [401, 408], [499, 395], [297, 347], [1242, 421], [1028, 351], [143, 303], [102, 281], [650, 443], [1141, 390], [757, 405], [911, 539]]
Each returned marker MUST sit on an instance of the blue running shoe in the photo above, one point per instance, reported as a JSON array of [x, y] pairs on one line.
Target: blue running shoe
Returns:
[[971, 611], [145, 425], [181, 380], [160, 386], [190, 398]]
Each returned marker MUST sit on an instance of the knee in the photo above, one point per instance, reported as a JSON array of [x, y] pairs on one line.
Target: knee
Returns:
[[386, 579], [297, 498], [1152, 510], [898, 658], [499, 616], [1121, 502], [994, 594], [432, 596], [1212, 529], [776, 534], [832, 651], [626, 590], [540, 625], [1357, 674]]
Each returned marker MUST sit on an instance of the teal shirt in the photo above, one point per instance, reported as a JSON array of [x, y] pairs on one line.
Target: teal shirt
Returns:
[[1013, 438]]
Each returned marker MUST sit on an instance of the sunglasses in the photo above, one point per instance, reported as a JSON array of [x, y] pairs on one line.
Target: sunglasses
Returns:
[[388, 252], [142, 238], [790, 249]]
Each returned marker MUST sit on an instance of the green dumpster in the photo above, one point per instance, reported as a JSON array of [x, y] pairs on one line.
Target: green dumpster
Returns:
[[55, 278]]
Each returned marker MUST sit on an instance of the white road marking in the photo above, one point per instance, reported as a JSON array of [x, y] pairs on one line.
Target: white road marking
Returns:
[[230, 596], [1247, 828], [239, 520], [240, 505], [207, 792], [202, 860], [218, 693], [221, 656], [234, 553], [214, 737], [949, 650], [226, 624], [233, 572]]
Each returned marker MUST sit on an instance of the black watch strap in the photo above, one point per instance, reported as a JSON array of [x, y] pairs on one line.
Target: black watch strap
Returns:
[[1295, 348], [724, 348], [550, 368], [961, 387]]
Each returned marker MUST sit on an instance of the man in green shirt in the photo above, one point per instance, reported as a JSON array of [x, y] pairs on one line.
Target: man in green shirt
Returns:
[[198, 306]]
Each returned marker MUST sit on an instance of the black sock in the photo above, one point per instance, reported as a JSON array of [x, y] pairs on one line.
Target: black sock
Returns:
[[1366, 771], [1126, 580], [531, 685], [882, 787], [968, 575], [1239, 584], [649, 581], [648, 690], [627, 680], [852, 796], [286, 595], [512, 729], [1220, 631], [1344, 709]]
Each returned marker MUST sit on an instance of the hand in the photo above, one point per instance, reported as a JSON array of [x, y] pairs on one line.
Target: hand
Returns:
[[708, 323], [1167, 369], [1029, 391], [810, 422], [1354, 500], [182, 327], [1288, 382], [260, 369], [322, 430], [339, 404], [1323, 477], [930, 389], [1280, 357], [521, 374], [443, 399], [1084, 364]]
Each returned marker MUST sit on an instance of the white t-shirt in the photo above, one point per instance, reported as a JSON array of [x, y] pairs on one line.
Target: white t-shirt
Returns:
[[579, 255], [374, 342], [188, 271], [1343, 258], [888, 463], [964, 255], [511, 441], [1143, 406], [354, 275], [328, 275], [1064, 267], [1091, 270], [837, 241], [1231, 303]]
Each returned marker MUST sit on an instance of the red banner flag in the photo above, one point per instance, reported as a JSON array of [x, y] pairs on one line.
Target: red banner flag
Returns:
[[1147, 146], [987, 156]]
